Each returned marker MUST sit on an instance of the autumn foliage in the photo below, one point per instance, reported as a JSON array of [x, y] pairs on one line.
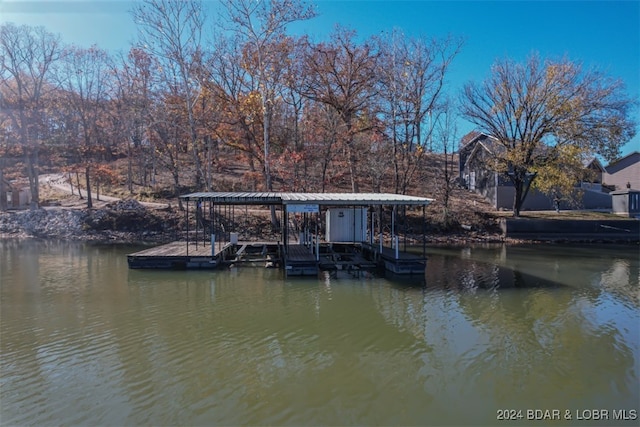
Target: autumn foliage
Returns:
[[191, 98]]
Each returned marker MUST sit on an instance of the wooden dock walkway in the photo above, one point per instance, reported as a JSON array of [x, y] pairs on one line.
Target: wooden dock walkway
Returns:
[[177, 256], [177, 249], [300, 261]]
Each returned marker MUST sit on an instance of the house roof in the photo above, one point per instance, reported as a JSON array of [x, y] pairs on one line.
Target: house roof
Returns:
[[475, 141], [333, 199], [474, 134], [593, 161], [474, 137], [618, 160]]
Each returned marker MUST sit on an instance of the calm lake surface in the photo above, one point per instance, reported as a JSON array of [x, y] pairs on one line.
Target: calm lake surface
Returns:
[[86, 341]]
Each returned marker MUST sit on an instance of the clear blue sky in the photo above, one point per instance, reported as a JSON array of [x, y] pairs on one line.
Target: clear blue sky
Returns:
[[603, 34]]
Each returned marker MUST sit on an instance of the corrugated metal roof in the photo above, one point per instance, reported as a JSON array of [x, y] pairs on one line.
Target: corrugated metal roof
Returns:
[[334, 199]]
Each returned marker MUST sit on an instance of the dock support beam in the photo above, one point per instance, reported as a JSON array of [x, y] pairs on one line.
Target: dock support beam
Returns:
[[186, 220], [396, 246], [424, 233]]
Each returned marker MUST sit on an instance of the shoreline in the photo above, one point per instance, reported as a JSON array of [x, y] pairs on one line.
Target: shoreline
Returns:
[[129, 222], [434, 240]]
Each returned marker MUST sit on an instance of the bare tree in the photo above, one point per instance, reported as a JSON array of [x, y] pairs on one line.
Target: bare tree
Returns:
[[293, 108], [445, 135], [86, 78], [4, 151], [229, 84], [412, 74], [535, 108], [27, 55], [133, 103], [171, 31], [261, 27], [342, 74]]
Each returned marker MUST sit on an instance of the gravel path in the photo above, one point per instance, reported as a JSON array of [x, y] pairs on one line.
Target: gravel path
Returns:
[[60, 182]]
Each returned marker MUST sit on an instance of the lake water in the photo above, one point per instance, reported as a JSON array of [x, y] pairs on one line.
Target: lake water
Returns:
[[488, 333]]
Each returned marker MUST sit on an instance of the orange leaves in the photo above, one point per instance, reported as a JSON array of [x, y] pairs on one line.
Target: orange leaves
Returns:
[[105, 175]]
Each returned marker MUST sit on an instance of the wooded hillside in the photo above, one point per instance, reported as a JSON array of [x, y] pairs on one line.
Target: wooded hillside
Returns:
[[257, 109]]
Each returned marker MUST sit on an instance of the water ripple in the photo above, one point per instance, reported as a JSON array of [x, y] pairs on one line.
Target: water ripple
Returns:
[[247, 347]]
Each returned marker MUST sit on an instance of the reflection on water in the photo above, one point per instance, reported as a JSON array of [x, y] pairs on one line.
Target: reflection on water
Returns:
[[86, 341]]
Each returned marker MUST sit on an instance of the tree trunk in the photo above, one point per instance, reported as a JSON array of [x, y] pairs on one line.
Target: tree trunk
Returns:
[[32, 173], [396, 165], [88, 184], [176, 187], [78, 185], [266, 108], [351, 154], [3, 188], [197, 162], [522, 184], [352, 167], [70, 178], [129, 168], [517, 198]]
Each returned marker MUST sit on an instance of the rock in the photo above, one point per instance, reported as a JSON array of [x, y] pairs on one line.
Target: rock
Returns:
[[126, 205], [121, 221]]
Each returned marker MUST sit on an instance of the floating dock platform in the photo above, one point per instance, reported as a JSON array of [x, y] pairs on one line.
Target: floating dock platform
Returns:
[[299, 260], [183, 255]]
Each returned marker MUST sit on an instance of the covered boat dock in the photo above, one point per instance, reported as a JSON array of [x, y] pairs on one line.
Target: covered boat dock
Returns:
[[349, 232]]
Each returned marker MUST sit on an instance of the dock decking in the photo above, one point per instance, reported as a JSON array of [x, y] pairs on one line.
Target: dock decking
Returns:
[[299, 260], [176, 256]]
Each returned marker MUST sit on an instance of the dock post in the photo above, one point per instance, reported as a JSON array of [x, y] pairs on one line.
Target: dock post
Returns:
[[213, 245], [316, 237], [186, 217], [371, 234], [396, 245], [381, 243]]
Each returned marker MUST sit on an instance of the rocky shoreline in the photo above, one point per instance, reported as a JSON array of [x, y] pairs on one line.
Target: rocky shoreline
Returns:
[[128, 221], [124, 221]]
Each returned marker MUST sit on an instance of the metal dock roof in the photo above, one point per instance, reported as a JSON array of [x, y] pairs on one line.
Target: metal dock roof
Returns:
[[333, 199]]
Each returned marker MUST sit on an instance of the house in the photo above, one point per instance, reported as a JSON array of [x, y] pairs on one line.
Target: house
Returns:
[[594, 173], [476, 150], [623, 173]]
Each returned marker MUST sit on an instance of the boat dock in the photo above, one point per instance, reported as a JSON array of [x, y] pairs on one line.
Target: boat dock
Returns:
[[346, 241]]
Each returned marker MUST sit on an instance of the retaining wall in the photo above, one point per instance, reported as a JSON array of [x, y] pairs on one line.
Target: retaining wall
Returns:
[[577, 230]]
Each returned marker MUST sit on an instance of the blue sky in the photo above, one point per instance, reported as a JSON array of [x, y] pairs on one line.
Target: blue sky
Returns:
[[598, 34]]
